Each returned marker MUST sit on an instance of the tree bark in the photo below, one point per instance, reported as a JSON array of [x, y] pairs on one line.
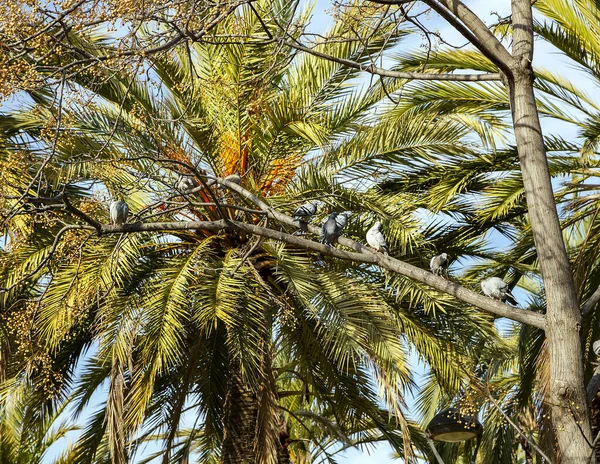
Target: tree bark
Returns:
[[283, 452], [569, 409], [241, 412]]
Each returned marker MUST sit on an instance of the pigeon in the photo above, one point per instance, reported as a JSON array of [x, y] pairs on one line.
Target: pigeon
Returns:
[[342, 219], [305, 211], [496, 288], [185, 183], [330, 230], [235, 178], [596, 347], [376, 240], [439, 264], [118, 212]]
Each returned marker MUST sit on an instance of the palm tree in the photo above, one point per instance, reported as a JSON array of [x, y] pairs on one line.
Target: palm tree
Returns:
[[23, 444], [479, 195], [225, 327]]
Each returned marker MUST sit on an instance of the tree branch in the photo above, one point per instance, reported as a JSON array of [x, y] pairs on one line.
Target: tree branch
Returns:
[[80, 214], [519, 431], [361, 254], [486, 41], [593, 385], [397, 74], [400, 267], [591, 303], [451, 19]]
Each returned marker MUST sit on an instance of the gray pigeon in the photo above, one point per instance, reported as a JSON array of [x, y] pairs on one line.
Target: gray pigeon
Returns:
[[235, 178], [342, 219], [330, 230], [185, 183], [119, 212], [596, 347], [376, 240], [439, 264], [305, 211], [496, 288]]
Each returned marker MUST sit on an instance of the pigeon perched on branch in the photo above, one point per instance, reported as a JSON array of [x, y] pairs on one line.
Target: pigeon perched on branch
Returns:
[[342, 219], [331, 230], [185, 183], [118, 212], [596, 347], [439, 265], [235, 178], [305, 211], [496, 288], [376, 240]]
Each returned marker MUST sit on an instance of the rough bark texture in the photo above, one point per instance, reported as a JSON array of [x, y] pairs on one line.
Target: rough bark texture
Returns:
[[240, 419], [283, 453], [567, 394]]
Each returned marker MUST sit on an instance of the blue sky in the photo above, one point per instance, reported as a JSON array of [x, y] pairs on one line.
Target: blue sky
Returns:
[[545, 57]]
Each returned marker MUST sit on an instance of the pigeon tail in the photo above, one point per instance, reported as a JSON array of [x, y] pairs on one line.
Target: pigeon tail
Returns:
[[510, 298]]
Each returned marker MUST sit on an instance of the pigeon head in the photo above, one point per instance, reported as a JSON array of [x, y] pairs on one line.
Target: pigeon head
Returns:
[[377, 225], [334, 214], [444, 256]]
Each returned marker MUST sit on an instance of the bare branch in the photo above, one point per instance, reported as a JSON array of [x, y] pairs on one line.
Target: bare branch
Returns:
[[516, 427], [593, 385], [79, 213], [398, 74], [361, 254], [591, 303], [400, 267], [486, 41]]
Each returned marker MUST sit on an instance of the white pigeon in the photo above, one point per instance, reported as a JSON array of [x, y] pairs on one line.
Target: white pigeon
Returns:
[[185, 183], [305, 211], [496, 288], [439, 264], [376, 240], [596, 347], [330, 230], [118, 212]]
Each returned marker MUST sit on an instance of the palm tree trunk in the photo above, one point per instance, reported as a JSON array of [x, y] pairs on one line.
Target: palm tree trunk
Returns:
[[241, 411], [283, 452], [567, 394]]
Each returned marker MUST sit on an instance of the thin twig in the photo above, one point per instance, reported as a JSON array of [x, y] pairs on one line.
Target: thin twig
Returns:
[[519, 431]]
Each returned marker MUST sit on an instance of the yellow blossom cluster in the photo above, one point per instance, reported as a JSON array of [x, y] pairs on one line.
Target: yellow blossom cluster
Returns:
[[15, 76], [40, 40], [39, 363]]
